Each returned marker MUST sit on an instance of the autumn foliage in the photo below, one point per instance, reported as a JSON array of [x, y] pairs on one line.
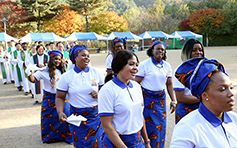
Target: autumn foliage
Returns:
[[16, 16], [65, 23], [183, 26], [110, 21], [199, 19]]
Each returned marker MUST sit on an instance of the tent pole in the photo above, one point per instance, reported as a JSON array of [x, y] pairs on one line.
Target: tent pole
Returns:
[[107, 46], [173, 43]]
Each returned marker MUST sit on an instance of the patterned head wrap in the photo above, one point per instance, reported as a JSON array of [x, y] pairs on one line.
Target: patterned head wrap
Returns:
[[120, 40], [158, 42], [195, 73], [53, 53], [73, 52]]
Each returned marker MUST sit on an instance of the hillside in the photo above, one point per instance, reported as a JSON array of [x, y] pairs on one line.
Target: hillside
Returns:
[[146, 3]]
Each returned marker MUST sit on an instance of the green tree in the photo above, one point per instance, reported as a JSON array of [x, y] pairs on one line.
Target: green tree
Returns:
[[191, 6], [131, 16], [85, 8], [216, 4], [183, 12], [159, 6], [39, 10], [174, 9], [229, 27], [167, 10], [155, 21], [120, 6]]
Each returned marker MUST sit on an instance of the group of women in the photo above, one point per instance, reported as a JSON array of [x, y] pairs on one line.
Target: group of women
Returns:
[[127, 108]]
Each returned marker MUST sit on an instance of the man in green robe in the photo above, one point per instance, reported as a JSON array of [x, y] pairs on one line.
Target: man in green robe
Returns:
[[4, 66]]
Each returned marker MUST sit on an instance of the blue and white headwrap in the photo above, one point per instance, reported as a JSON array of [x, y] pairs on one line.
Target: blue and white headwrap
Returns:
[[53, 53], [73, 52], [120, 40], [195, 74], [158, 42]]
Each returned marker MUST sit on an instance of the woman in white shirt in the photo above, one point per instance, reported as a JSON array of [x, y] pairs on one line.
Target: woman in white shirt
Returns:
[[82, 84], [212, 125], [154, 75], [116, 45], [52, 130], [121, 105], [193, 48]]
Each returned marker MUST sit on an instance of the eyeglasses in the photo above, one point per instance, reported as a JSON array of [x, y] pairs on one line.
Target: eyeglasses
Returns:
[[121, 46]]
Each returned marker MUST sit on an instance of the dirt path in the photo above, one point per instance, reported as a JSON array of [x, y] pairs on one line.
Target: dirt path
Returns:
[[20, 120]]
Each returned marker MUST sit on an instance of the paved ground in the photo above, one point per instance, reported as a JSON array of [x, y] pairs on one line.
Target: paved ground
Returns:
[[20, 120]]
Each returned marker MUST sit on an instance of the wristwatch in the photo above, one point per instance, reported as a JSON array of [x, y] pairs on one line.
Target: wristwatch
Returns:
[[147, 141]]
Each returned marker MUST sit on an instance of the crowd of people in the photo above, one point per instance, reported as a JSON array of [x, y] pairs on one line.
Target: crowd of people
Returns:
[[127, 106]]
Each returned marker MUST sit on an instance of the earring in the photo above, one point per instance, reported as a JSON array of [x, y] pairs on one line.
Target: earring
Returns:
[[207, 99]]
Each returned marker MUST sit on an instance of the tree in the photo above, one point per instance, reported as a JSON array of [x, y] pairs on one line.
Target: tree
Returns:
[[216, 4], [85, 8], [110, 21], [206, 20], [183, 26], [191, 6], [16, 17], [39, 10], [64, 23], [154, 21], [229, 27], [159, 7], [182, 13], [131, 16], [120, 6], [174, 9]]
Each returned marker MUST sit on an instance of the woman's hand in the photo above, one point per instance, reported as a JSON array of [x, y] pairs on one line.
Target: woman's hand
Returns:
[[173, 105], [94, 94], [62, 117]]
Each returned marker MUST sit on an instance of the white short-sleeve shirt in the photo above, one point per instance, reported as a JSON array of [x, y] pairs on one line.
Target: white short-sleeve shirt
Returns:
[[178, 86], [154, 74], [78, 84], [109, 60], [202, 129], [124, 103], [44, 75]]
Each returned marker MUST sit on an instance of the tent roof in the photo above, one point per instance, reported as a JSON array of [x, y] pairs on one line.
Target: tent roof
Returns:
[[6, 38], [41, 37], [155, 34], [84, 36], [185, 34], [129, 35]]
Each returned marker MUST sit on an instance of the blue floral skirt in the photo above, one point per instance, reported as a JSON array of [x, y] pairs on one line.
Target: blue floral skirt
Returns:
[[89, 133], [131, 141], [52, 130], [155, 116]]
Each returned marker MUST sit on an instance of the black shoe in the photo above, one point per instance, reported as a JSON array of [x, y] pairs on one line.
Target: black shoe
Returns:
[[5, 83], [30, 92], [19, 88], [32, 96], [12, 81], [35, 102], [26, 93]]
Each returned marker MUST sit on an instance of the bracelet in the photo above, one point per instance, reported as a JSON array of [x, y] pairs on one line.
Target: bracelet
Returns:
[[173, 102], [147, 141]]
